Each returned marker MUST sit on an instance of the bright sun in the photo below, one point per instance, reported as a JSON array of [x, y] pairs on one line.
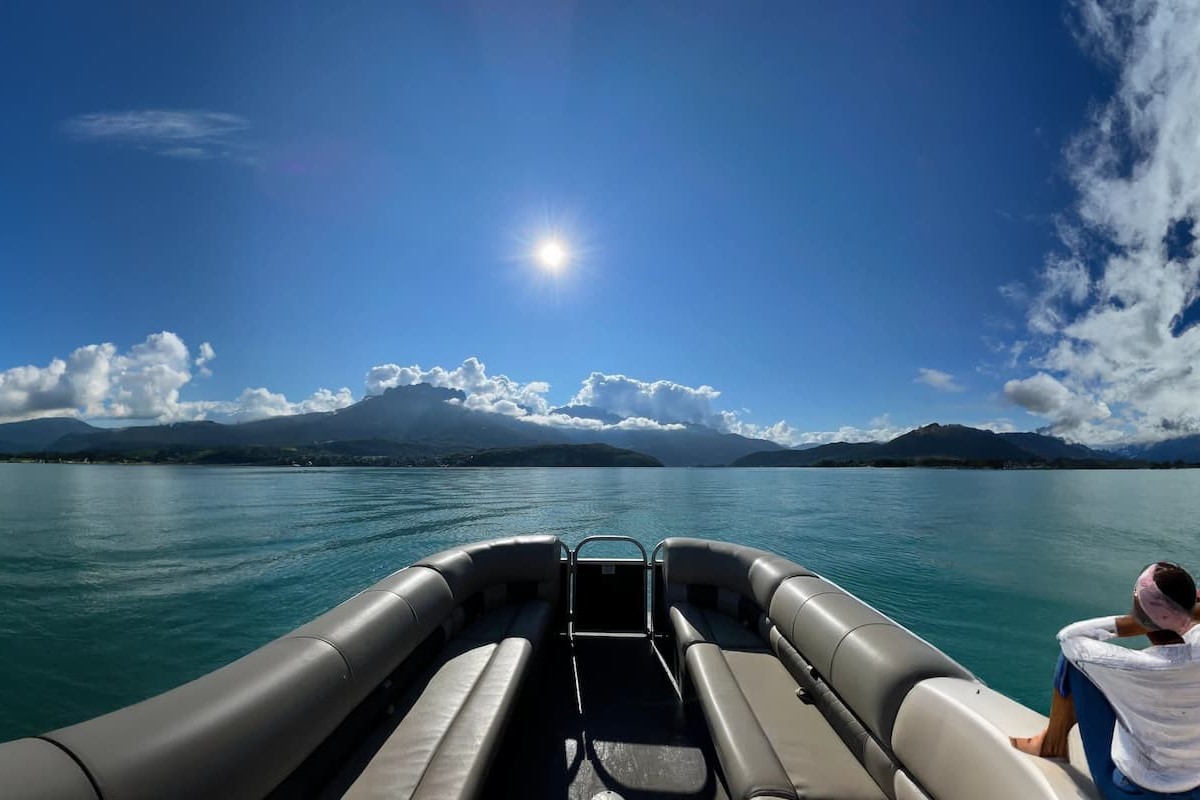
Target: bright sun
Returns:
[[551, 254]]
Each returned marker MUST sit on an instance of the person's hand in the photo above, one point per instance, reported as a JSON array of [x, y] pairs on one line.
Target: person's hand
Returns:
[[1128, 625]]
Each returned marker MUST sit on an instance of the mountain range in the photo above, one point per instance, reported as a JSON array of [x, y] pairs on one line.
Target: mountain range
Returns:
[[938, 444], [421, 417], [427, 422]]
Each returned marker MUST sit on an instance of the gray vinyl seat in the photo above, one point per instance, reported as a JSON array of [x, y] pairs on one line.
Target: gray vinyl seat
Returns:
[[741, 618], [451, 718], [447, 643]]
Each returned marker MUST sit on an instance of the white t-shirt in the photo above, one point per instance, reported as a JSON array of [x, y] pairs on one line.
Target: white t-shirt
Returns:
[[1156, 695]]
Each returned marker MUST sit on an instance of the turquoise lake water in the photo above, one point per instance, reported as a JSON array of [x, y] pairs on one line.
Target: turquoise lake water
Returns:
[[117, 583]]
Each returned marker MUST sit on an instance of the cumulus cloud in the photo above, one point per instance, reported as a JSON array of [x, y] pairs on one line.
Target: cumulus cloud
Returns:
[[662, 401], [205, 355], [942, 381], [582, 423], [1111, 315], [1045, 396], [260, 403], [499, 394], [141, 384], [641, 405], [879, 429], [192, 135], [97, 380]]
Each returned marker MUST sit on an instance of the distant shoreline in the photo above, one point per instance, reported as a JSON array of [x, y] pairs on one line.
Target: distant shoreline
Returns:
[[462, 462]]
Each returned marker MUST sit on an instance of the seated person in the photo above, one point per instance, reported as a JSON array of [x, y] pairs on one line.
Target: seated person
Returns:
[[1138, 711]]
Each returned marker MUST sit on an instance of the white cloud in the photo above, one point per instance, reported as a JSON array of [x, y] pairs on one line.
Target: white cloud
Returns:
[[260, 403], [96, 380], [141, 384], [1111, 353], [499, 394], [1047, 397], [880, 429], [582, 423], [193, 135], [206, 354], [942, 381], [662, 401]]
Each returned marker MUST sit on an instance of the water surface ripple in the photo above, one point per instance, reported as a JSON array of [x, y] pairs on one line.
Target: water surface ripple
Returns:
[[117, 583]]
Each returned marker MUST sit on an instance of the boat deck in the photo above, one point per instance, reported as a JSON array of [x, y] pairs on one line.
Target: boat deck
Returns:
[[602, 714]]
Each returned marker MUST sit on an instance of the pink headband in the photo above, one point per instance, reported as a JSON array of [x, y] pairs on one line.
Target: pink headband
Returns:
[[1157, 608]]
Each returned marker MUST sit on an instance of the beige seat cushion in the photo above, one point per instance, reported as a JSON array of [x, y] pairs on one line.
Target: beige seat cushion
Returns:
[[817, 762]]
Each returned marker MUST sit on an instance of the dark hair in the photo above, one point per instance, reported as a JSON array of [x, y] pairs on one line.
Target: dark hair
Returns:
[[1175, 582]]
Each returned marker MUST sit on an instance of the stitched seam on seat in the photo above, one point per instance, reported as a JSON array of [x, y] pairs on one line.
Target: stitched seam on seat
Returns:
[[465, 702], [838, 646], [792, 624], [336, 649], [78, 761]]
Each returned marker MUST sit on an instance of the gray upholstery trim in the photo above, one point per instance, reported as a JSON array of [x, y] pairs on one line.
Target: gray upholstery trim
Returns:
[[34, 769], [690, 625], [750, 765], [374, 631], [235, 732], [824, 621], [426, 593], [754, 574], [876, 665], [791, 596], [474, 567]]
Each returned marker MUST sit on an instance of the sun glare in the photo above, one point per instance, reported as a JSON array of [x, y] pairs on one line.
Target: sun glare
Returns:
[[551, 254]]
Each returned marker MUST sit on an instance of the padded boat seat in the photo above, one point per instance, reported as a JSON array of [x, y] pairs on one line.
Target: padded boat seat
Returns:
[[453, 716], [814, 756], [770, 743], [751, 767], [694, 624]]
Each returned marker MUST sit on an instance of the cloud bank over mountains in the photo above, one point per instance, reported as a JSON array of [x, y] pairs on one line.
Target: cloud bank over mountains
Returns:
[[139, 385], [143, 385], [1110, 321]]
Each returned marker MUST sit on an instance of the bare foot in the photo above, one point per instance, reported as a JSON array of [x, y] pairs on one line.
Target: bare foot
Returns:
[[1029, 744]]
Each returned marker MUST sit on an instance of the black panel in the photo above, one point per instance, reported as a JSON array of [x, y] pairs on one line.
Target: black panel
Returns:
[[558, 623], [662, 619], [702, 595], [610, 596], [521, 591]]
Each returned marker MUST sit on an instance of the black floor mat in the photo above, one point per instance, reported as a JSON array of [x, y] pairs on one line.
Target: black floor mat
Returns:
[[632, 736]]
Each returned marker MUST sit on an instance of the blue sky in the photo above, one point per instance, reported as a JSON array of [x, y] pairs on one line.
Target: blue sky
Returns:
[[849, 221]]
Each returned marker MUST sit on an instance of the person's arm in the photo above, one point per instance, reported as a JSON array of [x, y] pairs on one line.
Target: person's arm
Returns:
[[1100, 629], [1103, 628]]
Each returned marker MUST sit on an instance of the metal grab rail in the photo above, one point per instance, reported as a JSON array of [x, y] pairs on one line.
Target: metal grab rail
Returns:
[[574, 562], [606, 537]]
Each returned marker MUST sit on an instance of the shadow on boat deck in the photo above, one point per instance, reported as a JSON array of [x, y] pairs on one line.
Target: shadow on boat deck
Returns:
[[602, 714]]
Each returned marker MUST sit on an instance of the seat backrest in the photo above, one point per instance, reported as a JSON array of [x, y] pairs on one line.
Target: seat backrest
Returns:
[[867, 659], [694, 567], [524, 565]]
